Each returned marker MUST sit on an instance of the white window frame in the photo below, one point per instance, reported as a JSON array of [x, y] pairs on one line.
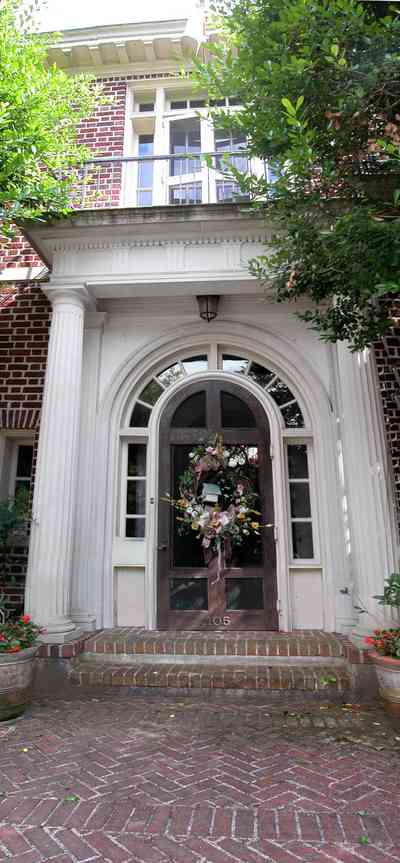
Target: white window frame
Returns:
[[139, 440], [302, 440]]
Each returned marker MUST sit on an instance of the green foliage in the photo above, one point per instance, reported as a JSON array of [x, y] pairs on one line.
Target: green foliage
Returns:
[[18, 635], [319, 82], [385, 641], [391, 591], [14, 516], [40, 110]]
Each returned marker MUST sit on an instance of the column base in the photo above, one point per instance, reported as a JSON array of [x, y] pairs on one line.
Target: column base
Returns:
[[59, 630], [84, 620]]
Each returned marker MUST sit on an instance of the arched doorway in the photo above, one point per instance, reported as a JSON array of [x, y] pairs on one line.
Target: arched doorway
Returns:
[[189, 595]]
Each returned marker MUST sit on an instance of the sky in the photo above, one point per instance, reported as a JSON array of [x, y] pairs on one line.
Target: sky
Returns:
[[68, 14]]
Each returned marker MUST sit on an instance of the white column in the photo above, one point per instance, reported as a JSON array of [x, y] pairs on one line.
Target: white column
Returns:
[[372, 522], [50, 555], [86, 589]]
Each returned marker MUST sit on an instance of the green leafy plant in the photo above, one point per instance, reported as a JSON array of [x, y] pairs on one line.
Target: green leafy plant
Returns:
[[14, 517], [391, 591], [18, 635], [41, 108], [385, 641], [319, 87]]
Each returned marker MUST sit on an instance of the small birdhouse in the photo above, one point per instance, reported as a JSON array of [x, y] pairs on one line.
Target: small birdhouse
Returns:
[[211, 492]]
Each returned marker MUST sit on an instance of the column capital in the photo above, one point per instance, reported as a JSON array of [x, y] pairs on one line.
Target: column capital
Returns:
[[72, 295]]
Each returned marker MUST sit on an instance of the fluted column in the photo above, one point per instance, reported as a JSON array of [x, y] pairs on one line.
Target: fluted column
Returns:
[[50, 555], [372, 523]]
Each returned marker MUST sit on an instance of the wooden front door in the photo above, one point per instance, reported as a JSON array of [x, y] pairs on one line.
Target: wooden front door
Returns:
[[189, 595]]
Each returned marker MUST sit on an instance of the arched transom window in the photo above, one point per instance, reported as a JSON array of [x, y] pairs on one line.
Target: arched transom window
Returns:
[[187, 366]]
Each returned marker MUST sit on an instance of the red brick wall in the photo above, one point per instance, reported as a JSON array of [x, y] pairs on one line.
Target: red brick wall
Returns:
[[24, 336], [387, 354], [104, 135]]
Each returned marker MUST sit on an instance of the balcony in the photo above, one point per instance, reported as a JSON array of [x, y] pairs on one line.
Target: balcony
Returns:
[[175, 179]]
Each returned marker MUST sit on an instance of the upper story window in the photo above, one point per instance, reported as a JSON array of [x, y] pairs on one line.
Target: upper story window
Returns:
[[145, 172], [191, 163], [185, 138]]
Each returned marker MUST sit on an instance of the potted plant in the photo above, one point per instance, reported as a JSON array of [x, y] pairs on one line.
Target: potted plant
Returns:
[[386, 649], [18, 638], [18, 647]]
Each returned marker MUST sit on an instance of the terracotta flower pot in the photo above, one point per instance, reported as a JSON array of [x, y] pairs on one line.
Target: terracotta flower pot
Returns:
[[388, 672], [16, 680]]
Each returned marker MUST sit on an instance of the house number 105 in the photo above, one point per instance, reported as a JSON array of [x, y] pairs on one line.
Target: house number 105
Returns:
[[218, 621]]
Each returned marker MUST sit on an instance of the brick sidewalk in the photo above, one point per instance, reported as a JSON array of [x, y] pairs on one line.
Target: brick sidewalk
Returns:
[[121, 777]]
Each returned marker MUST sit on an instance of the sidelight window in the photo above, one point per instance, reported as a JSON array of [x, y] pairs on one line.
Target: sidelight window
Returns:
[[135, 491], [300, 502]]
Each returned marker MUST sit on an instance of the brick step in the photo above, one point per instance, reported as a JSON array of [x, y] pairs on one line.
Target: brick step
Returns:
[[141, 642], [308, 676]]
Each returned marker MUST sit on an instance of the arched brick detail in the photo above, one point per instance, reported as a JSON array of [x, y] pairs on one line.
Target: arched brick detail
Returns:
[[13, 418]]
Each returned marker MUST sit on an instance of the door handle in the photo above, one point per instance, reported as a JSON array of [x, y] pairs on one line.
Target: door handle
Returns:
[[162, 546]]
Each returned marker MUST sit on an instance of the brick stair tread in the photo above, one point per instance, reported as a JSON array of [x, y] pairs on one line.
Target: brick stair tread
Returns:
[[191, 676], [296, 644]]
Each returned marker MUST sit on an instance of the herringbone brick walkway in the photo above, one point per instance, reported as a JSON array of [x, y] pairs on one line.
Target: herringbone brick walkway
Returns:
[[118, 777]]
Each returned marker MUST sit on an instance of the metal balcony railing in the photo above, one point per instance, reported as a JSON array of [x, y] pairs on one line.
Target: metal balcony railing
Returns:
[[174, 179]]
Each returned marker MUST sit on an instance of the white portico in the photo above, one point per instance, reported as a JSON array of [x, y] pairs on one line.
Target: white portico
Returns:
[[126, 344]]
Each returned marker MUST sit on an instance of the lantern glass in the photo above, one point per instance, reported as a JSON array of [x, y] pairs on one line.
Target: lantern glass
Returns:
[[208, 306]]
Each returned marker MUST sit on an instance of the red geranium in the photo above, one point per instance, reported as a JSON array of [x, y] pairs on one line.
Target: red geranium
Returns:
[[18, 635], [385, 641]]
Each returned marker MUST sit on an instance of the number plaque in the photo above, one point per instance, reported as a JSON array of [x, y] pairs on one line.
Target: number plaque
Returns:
[[218, 621]]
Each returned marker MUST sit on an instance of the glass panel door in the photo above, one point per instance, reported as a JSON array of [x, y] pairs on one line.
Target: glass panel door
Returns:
[[199, 589]]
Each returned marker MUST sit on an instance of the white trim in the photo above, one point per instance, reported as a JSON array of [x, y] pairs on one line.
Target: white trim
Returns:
[[23, 274], [278, 352]]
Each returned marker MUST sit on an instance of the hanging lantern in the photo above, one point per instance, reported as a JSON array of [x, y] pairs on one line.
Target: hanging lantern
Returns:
[[208, 306]]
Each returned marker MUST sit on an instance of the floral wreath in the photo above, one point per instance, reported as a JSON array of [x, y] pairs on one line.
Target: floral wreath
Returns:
[[218, 497]]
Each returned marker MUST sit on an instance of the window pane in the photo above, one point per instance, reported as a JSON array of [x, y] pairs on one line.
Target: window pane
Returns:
[[228, 191], [191, 413], [170, 375], [280, 393], [297, 461], [140, 416], [244, 594], [24, 463], [187, 193], [136, 497], [178, 104], [302, 540], [145, 175], [146, 145], [184, 138], [195, 364], [145, 198], [293, 416], [260, 375], [234, 364], [235, 413], [300, 500], [188, 594], [151, 393], [135, 528], [146, 106], [136, 459]]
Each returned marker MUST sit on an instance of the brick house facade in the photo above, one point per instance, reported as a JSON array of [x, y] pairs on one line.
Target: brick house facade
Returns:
[[25, 315]]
